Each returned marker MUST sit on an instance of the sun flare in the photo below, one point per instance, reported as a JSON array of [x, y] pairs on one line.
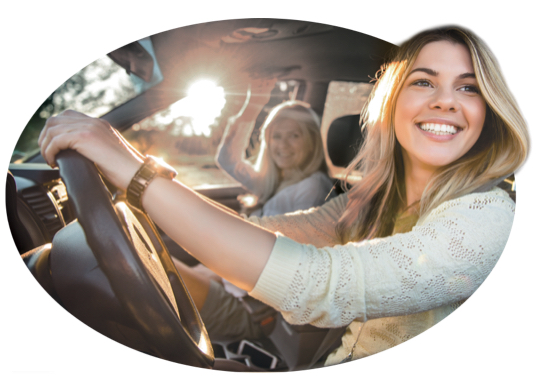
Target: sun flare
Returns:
[[198, 110]]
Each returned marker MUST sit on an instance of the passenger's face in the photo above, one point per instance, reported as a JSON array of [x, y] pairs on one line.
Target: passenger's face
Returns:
[[439, 112], [287, 144]]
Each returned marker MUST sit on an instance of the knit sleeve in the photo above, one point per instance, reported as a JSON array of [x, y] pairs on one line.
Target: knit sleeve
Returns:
[[441, 261], [231, 156], [314, 226]]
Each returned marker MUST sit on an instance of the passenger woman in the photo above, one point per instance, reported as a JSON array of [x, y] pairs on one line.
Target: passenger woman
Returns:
[[288, 175], [403, 247]]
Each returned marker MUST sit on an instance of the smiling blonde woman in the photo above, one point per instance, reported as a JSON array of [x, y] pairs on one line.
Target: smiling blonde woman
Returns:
[[289, 172], [406, 245]]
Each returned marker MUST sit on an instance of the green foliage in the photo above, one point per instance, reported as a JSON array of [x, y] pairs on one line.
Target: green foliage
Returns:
[[94, 90]]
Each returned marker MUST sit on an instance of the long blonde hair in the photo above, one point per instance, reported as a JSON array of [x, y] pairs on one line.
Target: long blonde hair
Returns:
[[309, 123], [501, 148]]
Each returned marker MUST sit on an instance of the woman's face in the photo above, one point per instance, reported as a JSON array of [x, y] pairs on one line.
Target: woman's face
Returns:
[[439, 112], [287, 144]]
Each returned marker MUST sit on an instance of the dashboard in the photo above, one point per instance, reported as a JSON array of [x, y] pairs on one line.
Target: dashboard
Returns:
[[36, 204]]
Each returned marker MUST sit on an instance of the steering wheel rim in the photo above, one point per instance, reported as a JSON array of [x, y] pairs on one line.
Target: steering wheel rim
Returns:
[[117, 238]]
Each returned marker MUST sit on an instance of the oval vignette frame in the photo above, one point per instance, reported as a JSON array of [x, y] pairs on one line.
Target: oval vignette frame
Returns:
[[126, 359]]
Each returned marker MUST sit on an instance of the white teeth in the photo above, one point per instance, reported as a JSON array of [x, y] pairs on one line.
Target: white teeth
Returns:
[[439, 129]]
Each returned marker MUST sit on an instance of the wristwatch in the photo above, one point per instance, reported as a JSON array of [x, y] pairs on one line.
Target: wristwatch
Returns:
[[151, 168]]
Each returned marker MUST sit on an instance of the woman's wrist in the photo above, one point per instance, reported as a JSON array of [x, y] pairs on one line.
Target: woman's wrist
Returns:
[[151, 168], [121, 176]]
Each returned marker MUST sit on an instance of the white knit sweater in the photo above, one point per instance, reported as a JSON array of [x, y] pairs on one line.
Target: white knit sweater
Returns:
[[310, 192], [390, 289]]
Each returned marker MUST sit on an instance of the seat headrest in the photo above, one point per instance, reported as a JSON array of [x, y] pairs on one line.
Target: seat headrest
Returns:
[[344, 138]]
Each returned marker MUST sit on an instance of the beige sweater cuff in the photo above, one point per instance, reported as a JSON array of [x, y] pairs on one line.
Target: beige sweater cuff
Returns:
[[278, 273]]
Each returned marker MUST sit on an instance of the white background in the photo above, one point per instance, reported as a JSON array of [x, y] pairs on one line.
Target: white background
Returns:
[[491, 338]]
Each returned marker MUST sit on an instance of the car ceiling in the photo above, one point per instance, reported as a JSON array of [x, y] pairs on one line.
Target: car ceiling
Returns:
[[224, 50]]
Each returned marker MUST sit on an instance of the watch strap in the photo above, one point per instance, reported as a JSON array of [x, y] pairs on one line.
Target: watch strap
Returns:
[[151, 168]]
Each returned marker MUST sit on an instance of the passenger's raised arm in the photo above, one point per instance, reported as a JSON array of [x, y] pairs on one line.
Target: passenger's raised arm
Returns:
[[231, 156]]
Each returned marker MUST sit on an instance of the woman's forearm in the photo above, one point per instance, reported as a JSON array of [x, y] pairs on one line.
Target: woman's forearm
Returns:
[[225, 243], [234, 143]]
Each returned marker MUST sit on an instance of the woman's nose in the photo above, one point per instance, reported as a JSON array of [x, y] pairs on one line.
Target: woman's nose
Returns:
[[284, 143], [444, 99]]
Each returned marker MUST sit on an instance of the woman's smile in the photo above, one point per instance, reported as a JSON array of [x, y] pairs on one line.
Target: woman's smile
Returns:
[[439, 112], [439, 129]]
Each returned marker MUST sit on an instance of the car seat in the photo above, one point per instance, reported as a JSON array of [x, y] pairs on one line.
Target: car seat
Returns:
[[343, 139]]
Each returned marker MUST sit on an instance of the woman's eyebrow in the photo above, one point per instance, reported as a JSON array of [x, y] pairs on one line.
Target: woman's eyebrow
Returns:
[[431, 72], [426, 70], [467, 75]]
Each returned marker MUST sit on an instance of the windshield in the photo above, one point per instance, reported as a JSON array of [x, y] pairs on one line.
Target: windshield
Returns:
[[95, 90], [186, 134]]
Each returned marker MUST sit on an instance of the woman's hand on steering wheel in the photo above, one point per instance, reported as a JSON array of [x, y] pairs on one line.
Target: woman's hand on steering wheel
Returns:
[[96, 140]]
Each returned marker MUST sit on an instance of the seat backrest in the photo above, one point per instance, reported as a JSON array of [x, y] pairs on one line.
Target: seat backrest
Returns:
[[344, 138]]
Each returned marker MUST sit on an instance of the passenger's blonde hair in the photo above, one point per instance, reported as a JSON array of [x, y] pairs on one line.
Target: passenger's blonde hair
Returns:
[[309, 123], [502, 147]]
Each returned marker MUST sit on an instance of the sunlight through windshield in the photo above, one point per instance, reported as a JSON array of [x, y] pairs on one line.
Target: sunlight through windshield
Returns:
[[194, 114], [186, 134]]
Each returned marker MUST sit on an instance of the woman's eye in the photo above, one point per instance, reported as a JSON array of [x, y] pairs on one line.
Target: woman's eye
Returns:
[[422, 83], [470, 88]]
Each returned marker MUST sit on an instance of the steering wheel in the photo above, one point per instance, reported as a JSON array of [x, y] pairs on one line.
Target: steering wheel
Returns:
[[125, 284]]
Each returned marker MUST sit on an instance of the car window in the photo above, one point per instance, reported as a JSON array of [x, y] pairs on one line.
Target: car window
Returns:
[[94, 90], [187, 134], [343, 98]]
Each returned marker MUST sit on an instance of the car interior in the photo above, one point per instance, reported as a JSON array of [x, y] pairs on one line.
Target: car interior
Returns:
[[109, 265]]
